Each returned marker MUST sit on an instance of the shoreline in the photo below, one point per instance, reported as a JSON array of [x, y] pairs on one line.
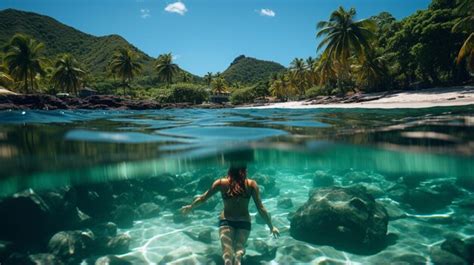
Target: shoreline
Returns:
[[96, 102], [423, 98]]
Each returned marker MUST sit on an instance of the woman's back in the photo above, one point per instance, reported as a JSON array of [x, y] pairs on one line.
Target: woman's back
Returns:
[[236, 206]]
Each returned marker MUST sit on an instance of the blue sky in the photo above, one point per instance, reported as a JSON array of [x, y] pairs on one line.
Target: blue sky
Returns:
[[206, 35]]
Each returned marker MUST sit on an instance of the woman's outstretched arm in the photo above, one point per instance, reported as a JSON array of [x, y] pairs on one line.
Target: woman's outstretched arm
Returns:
[[261, 209], [202, 198]]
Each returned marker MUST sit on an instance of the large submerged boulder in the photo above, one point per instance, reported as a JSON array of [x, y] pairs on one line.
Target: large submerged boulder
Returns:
[[346, 218]]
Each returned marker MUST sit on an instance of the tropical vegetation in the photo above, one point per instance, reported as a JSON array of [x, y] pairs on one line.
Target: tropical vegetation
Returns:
[[67, 74], [125, 65], [432, 47]]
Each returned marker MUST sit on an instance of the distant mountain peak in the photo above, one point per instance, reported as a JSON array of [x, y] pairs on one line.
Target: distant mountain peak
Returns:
[[248, 70]]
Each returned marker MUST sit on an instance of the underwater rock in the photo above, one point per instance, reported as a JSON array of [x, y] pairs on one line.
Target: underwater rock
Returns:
[[124, 216], [459, 248], [5, 249], [45, 259], [268, 183], [442, 257], [178, 203], [95, 200], [331, 216], [322, 179], [353, 177], [160, 200], [267, 252], [204, 236], [438, 197], [393, 211], [70, 246], [112, 260], [210, 204], [108, 229], [285, 203], [177, 193], [300, 252], [26, 218], [148, 210], [205, 182], [466, 182], [35, 259], [119, 244], [161, 184]]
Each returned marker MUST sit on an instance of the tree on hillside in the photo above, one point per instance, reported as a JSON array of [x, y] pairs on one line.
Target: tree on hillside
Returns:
[[208, 78], [344, 37], [219, 85], [125, 65], [165, 68], [23, 60], [186, 77], [67, 74]]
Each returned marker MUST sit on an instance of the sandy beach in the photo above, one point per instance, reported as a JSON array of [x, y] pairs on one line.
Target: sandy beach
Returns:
[[425, 98]]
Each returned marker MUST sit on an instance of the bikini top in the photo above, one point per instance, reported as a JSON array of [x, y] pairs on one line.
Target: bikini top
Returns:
[[246, 194]]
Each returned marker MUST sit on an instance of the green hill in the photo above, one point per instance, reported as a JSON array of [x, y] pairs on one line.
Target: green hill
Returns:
[[93, 52], [247, 70]]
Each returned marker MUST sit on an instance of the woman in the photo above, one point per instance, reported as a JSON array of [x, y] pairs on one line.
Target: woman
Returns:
[[234, 221]]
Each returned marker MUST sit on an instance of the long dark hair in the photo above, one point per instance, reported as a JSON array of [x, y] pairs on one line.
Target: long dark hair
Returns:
[[236, 176]]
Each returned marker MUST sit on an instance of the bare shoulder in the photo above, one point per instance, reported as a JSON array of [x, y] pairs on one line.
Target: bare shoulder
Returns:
[[252, 183]]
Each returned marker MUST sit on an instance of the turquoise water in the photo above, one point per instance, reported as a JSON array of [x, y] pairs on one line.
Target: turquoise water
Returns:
[[378, 149]]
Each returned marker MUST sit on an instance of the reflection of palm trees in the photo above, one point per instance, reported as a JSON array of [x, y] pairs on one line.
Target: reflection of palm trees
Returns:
[[67, 74], [165, 68], [125, 65], [344, 37], [23, 60]]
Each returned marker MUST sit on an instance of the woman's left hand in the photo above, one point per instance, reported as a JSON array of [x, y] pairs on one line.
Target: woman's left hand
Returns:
[[186, 209]]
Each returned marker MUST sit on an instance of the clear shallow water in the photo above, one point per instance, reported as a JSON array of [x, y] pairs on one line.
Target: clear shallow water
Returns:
[[374, 148]]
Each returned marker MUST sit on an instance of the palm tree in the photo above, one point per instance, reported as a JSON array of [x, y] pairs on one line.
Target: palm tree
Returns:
[[67, 74], [219, 85], [465, 8], [325, 70], [311, 75], [208, 78], [345, 37], [371, 72], [23, 60], [186, 77], [125, 65], [166, 68], [298, 75], [280, 87]]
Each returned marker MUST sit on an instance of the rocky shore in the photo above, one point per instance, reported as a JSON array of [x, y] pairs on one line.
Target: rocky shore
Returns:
[[49, 102]]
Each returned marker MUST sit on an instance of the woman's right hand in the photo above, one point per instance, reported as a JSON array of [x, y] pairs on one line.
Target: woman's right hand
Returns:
[[186, 209], [275, 232]]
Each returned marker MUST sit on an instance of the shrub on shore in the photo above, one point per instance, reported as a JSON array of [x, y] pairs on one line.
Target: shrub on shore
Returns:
[[184, 92]]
